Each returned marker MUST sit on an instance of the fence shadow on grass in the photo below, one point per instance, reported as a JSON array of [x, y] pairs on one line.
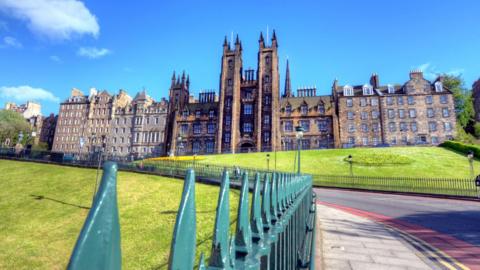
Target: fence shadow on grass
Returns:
[[41, 197]]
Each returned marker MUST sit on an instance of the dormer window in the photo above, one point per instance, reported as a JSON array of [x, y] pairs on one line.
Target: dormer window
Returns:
[[438, 87], [185, 114], [347, 91], [321, 108], [367, 90], [198, 114], [304, 109], [391, 89], [288, 109]]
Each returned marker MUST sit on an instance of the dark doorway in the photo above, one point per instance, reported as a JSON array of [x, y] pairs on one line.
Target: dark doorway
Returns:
[[247, 147]]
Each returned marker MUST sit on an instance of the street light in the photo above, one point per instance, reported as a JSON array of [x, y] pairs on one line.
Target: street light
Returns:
[[268, 162], [470, 160], [299, 135], [350, 161], [194, 158]]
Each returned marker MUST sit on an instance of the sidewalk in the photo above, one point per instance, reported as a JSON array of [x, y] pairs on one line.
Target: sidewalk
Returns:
[[352, 243]]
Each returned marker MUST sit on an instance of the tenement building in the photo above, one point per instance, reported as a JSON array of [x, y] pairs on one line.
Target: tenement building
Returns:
[[116, 124], [249, 114], [417, 112]]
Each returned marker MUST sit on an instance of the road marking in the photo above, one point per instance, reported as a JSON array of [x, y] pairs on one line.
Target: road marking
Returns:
[[426, 239]]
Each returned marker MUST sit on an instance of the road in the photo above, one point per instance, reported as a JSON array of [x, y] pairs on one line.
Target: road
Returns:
[[456, 221]]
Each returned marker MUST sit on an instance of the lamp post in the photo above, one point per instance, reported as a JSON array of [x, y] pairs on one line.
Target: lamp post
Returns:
[[194, 158], [470, 160], [268, 162], [350, 161], [299, 135], [179, 144]]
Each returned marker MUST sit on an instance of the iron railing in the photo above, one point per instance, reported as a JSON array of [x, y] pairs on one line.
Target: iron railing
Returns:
[[455, 187], [277, 232]]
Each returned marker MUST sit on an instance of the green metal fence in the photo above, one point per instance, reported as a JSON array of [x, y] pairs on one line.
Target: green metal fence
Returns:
[[275, 231], [460, 187]]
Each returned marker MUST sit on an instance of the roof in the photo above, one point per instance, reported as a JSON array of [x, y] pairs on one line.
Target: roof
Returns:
[[204, 107], [296, 102]]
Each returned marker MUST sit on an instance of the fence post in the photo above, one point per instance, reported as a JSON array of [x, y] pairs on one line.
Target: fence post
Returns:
[[98, 245], [220, 244], [182, 251], [243, 234]]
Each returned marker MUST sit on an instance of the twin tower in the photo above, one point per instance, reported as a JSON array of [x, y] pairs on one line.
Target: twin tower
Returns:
[[247, 110]]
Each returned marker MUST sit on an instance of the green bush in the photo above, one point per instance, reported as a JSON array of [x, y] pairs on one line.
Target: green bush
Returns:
[[380, 159], [462, 147]]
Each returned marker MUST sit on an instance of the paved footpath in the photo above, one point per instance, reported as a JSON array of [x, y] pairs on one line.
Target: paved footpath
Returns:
[[350, 242]]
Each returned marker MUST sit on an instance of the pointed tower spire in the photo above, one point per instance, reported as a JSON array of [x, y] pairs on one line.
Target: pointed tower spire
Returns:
[[261, 41], [274, 40], [188, 81], [237, 40], [288, 85], [173, 78]]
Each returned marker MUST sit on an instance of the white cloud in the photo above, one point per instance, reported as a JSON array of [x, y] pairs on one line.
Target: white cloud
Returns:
[[431, 72], [24, 93], [55, 58], [55, 19], [92, 52], [11, 42]]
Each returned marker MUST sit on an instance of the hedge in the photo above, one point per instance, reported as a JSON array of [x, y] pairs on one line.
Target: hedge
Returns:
[[462, 148]]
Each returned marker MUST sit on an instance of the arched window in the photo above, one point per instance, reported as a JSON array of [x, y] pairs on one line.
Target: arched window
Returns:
[[230, 64], [267, 79], [438, 87], [347, 90], [267, 60]]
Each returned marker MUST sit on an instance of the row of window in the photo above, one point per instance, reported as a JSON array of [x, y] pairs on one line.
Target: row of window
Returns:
[[367, 89], [320, 108], [322, 125], [402, 127], [390, 100], [197, 128], [198, 114], [144, 137]]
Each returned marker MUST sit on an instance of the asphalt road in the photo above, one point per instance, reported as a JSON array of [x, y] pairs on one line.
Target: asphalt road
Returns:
[[456, 218]]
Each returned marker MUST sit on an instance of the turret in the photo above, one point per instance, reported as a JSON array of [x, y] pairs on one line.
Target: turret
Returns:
[[238, 44], [274, 40], [261, 41]]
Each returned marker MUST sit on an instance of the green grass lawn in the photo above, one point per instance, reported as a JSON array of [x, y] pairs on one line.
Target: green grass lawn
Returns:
[[43, 207], [423, 162]]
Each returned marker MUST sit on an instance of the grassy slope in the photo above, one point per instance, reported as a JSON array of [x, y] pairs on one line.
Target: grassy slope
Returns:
[[428, 162], [40, 234]]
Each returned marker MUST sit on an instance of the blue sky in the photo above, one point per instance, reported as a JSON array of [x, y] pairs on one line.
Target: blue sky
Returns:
[[49, 46]]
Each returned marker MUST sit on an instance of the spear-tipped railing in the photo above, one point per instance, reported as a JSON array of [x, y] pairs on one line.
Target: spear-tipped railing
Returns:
[[275, 231]]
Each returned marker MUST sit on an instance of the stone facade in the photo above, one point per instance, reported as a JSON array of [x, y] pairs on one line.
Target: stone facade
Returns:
[[121, 126], [47, 134], [417, 112], [249, 115]]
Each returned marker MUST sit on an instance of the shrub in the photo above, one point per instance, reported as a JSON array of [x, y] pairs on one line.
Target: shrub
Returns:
[[379, 159], [462, 147]]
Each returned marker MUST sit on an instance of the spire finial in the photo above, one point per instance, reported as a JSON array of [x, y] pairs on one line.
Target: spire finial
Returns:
[[274, 37], [237, 40], [288, 86]]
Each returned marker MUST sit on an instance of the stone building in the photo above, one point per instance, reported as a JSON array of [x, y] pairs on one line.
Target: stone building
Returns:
[[250, 115], [249, 101], [28, 110], [316, 114], [47, 133], [121, 126], [417, 112], [476, 99]]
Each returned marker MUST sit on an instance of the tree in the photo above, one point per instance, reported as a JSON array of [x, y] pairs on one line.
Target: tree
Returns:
[[11, 124], [463, 100]]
